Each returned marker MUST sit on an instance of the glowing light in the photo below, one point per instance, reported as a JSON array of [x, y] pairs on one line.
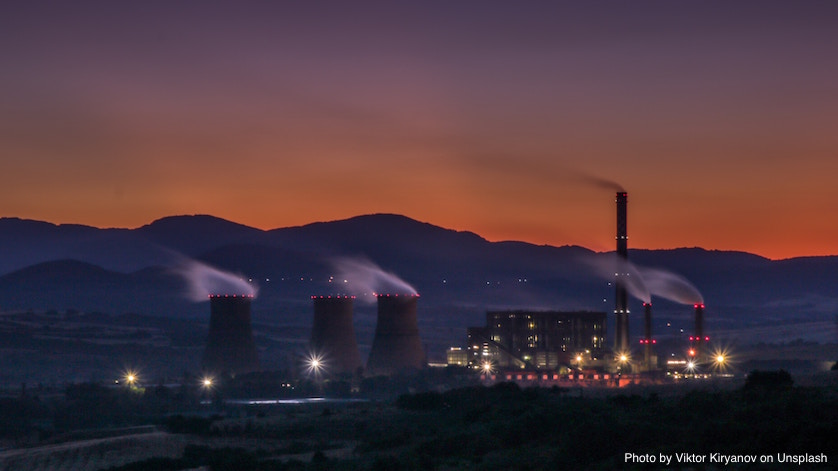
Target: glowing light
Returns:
[[720, 359], [207, 382], [131, 377], [315, 364]]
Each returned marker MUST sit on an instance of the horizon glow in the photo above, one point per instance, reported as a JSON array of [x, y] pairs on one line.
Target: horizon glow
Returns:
[[506, 121]]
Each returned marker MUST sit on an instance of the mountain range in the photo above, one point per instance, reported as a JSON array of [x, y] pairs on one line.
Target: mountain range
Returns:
[[459, 275]]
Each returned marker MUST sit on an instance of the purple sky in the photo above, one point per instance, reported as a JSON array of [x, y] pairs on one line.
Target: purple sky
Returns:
[[719, 118]]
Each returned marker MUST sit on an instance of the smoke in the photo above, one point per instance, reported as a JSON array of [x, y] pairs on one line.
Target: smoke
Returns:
[[361, 276], [600, 182], [643, 282], [203, 280], [671, 286]]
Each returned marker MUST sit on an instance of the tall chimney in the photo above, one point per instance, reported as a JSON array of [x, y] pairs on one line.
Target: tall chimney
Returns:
[[333, 335], [230, 346], [396, 345], [700, 339], [621, 311], [647, 336]]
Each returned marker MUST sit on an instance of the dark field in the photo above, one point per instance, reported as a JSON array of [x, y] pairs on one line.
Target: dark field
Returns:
[[487, 428]]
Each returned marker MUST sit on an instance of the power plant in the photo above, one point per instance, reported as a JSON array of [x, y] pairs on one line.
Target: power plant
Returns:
[[396, 345], [537, 340], [333, 335], [230, 347]]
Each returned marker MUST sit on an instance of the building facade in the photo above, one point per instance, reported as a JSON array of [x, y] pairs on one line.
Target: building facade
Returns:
[[539, 340]]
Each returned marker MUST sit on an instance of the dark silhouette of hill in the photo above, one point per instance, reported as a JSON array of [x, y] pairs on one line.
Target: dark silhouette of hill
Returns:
[[75, 285], [459, 274], [191, 235]]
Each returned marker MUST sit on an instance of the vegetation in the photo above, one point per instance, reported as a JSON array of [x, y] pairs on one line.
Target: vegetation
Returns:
[[489, 428]]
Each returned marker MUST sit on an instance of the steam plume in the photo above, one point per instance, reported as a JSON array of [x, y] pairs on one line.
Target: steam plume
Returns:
[[671, 286], [204, 280], [607, 266], [365, 277], [643, 282]]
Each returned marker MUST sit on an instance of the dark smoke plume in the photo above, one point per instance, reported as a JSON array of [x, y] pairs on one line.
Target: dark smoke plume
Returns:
[[601, 182]]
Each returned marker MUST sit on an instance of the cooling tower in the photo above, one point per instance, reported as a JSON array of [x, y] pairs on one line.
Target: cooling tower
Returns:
[[396, 345], [333, 336], [621, 311], [230, 347]]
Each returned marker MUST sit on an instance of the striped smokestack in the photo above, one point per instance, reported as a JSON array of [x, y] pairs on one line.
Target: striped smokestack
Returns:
[[647, 336], [700, 339]]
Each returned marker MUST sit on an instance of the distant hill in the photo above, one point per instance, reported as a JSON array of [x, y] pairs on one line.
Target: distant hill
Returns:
[[459, 274]]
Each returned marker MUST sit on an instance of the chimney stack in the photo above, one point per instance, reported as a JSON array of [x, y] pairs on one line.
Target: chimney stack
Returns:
[[621, 311]]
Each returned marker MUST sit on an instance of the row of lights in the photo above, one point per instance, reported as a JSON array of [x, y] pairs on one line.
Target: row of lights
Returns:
[[131, 378]]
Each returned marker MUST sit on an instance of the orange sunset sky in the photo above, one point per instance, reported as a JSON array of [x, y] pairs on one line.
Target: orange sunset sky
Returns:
[[720, 119]]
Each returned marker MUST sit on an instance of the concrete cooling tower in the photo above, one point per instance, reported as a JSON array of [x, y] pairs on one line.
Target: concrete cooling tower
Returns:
[[333, 336], [230, 346], [396, 345]]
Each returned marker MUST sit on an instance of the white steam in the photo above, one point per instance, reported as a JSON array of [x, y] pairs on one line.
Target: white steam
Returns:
[[360, 276], [203, 280], [643, 282], [671, 286]]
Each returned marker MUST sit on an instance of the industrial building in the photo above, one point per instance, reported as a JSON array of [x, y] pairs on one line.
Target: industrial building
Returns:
[[537, 340]]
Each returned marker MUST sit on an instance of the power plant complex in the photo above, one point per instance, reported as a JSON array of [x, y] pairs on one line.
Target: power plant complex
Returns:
[[512, 339]]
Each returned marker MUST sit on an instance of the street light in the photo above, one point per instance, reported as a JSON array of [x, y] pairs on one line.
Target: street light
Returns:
[[315, 364], [131, 378], [691, 366]]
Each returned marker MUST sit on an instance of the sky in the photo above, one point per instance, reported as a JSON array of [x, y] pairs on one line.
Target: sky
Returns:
[[514, 120]]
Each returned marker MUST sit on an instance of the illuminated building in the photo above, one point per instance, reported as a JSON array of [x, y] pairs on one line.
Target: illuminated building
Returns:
[[456, 356], [537, 339]]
